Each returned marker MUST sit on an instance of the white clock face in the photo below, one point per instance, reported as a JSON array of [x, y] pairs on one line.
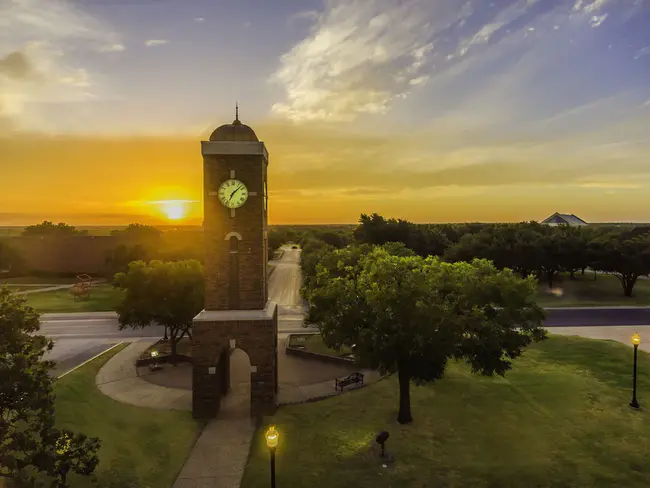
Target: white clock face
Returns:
[[233, 193]]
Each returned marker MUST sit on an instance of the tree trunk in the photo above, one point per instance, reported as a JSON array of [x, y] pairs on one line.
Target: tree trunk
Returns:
[[595, 275], [550, 274], [173, 338], [628, 285], [404, 415], [572, 275], [583, 272]]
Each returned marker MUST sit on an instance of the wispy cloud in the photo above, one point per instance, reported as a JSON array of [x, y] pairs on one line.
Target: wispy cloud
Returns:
[[645, 51], [199, 19], [155, 42], [358, 57], [112, 48]]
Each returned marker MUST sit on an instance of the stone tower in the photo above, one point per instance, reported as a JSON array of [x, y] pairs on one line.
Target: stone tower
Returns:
[[237, 311]]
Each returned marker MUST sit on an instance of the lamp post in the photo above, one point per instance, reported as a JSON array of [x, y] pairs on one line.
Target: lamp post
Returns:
[[636, 340], [272, 437]]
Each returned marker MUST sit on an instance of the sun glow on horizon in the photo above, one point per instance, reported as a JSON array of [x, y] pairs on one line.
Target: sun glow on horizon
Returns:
[[173, 209]]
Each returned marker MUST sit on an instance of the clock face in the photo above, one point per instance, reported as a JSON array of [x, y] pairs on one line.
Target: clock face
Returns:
[[233, 193]]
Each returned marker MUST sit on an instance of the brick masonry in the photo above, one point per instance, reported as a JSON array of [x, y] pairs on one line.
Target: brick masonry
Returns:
[[253, 326]]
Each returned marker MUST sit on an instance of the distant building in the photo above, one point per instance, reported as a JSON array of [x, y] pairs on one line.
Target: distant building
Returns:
[[564, 219]]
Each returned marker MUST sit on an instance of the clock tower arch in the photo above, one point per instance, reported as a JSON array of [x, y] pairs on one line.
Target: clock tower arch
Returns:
[[237, 312]]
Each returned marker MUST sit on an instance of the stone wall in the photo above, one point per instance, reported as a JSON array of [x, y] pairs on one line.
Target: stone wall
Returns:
[[254, 332]]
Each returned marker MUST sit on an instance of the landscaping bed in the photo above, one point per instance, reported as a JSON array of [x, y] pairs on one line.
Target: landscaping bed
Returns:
[[164, 350], [141, 447], [312, 346], [560, 418]]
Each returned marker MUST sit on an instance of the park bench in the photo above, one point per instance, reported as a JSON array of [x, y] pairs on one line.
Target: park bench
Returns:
[[351, 379]]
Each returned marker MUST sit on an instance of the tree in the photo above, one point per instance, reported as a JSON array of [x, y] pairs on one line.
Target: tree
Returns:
[[118, 259], [138, 232], [47, 228], [626, 258], [165, 293], [410, 315], [30, 447], [11, 261]]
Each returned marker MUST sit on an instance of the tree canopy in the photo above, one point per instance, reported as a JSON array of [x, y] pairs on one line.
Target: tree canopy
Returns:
[[31, 448], [411, 315], [48, 228], [164, 293]]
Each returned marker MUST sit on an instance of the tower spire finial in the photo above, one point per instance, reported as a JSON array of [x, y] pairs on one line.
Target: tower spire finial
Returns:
[[237, 110]]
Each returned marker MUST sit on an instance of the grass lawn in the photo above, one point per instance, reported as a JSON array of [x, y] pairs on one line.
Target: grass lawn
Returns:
[[141, 447], [103, 298], [585, 292], [559, 419]]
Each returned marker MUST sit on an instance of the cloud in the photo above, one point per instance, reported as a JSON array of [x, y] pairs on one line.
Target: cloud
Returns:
[[597, 20], [358, 56], [36, 72], [112, 48], [642, 52], [588, 6], [247, 24], [15, 65], [155, 42], [198, 19]]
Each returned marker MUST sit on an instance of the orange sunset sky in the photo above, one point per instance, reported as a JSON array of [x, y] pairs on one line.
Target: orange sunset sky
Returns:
[[432, 111]]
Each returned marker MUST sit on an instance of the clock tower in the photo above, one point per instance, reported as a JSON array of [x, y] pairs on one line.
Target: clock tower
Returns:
[[237, 311]]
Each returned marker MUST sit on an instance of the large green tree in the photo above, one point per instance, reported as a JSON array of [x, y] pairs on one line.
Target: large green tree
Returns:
[[410, 315], [31, 448], [625, 257], [169, 293]]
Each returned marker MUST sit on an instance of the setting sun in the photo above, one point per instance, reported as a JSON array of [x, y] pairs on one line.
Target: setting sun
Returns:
[[173, 209]]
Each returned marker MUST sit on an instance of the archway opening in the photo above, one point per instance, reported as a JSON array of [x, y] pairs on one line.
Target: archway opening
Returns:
[[237, 401]]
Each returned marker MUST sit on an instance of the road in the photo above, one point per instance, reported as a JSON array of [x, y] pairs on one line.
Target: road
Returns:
[[80, 336]]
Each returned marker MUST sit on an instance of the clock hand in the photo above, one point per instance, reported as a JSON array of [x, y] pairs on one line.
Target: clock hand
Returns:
[[231, 195]]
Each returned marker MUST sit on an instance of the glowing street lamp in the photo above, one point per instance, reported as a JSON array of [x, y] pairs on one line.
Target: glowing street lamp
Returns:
[[636, 340], [272, 438]]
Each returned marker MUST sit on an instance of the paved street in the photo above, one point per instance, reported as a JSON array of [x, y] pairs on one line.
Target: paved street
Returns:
[[80, 336]]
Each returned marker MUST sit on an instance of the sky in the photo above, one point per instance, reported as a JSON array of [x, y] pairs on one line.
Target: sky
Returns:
[[427, 110]]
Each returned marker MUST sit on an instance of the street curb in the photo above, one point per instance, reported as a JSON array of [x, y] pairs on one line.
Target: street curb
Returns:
[[91, 359]]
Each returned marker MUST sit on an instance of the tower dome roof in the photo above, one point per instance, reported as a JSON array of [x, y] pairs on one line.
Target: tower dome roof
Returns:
[[234, 132]]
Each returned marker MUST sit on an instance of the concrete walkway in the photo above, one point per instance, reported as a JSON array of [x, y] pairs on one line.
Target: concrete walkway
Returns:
[[119, 380]]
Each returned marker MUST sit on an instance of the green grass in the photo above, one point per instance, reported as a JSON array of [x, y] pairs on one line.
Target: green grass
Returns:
[[559, 418], [141, 447], [585, 292], [103, 298]]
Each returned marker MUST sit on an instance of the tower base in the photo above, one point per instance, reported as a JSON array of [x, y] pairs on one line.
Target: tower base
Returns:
[[215, 333]]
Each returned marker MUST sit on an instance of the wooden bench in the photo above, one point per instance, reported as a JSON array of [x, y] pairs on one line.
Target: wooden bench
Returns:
[[351, 379]]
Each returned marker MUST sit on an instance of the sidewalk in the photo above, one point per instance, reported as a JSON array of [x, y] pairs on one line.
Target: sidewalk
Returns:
[[119, 380]]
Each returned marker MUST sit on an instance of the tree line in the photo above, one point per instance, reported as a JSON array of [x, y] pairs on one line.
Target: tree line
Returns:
[[527, 248]]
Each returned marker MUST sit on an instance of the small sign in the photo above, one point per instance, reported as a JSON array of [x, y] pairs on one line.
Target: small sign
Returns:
[[253, 369], [212, 370], [301, 339]]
